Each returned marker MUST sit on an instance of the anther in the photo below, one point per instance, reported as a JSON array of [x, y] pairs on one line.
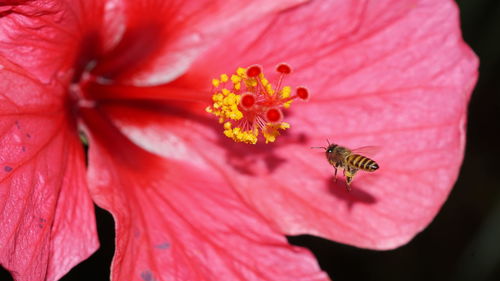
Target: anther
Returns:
[[274, 115], [283, 68], [254, 70], [247, 100], [302, 93]]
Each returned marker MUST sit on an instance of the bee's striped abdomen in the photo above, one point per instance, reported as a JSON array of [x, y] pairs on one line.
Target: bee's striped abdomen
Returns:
[[362, 162]]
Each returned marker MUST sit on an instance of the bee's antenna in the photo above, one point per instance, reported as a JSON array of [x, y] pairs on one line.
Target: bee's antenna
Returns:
[[319, 147], [328, 141]]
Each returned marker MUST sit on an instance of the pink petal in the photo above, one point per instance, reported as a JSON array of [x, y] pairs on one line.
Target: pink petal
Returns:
[[162, 38], [46, 215], [74, 235], [390, 73], [174, 221], [54, 39]]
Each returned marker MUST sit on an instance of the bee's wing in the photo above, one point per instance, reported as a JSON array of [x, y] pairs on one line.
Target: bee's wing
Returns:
[[367, 151]]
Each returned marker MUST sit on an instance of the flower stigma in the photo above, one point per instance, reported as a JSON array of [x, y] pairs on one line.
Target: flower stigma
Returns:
[[247, 103]]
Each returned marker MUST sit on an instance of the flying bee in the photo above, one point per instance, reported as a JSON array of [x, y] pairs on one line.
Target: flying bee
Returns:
[[350, 161]]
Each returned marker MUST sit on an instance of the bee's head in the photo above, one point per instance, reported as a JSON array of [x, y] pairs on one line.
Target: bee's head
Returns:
[[330, 148]]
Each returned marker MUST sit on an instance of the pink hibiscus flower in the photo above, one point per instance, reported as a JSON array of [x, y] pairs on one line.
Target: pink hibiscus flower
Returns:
[[189, 203]]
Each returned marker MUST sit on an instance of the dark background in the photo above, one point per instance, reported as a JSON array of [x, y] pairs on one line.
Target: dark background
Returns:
[[463, 242]]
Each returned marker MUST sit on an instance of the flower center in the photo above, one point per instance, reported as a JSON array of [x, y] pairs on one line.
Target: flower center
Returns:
[[247, 103]]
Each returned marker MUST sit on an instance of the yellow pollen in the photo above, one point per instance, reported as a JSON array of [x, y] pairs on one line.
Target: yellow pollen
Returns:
[[235, 79], [225, 106], [287, 104], [271, 131], [244, 122], [215, 82], [240, 136], [285, 92], [241, 72]]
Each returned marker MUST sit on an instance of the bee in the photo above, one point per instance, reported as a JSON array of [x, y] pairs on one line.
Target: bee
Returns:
[[350, 161]]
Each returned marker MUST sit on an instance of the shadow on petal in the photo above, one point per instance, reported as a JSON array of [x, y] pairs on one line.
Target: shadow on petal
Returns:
[[258, 159], [355, 196]]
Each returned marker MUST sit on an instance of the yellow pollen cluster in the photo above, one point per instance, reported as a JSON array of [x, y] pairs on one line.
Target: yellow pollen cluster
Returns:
[[286, 93], [237, 134], [225, 106], [270, 132], [242, 122]]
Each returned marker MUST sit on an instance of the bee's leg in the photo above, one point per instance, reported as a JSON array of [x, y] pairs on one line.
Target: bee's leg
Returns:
[[348, 180], [349, 176], [335, 174]]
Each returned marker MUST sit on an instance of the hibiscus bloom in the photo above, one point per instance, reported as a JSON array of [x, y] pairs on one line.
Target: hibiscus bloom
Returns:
[[133, 77]]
